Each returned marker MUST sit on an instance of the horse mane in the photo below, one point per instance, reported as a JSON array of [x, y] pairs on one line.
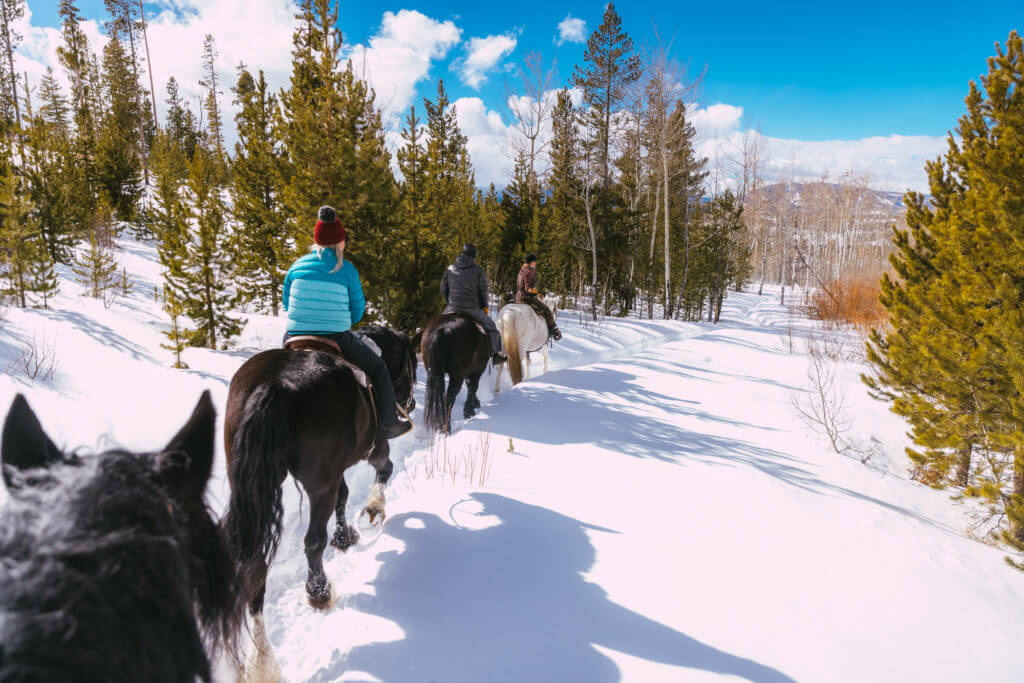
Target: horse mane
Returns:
[[103, 576]]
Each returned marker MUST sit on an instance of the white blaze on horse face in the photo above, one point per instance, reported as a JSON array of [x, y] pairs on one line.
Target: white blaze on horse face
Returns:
[[262, 666]]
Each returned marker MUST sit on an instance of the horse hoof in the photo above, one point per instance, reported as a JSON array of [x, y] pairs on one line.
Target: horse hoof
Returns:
[[320, 594], [373, 512], [345, 537]]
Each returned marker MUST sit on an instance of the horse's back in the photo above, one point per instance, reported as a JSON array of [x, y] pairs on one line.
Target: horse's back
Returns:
[[314, 388]]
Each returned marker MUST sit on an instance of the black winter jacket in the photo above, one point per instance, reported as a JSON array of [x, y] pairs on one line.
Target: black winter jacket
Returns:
[[464, 285]]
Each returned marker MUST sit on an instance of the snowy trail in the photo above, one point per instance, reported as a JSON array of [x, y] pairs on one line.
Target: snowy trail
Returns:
[[662, 517]]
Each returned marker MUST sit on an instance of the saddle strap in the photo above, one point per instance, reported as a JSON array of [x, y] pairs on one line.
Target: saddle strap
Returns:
[[311, 338]]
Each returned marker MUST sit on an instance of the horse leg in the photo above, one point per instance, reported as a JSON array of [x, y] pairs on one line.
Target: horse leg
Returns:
[[472, 402], [261, 666], [381, 461], [497, 377], [318, 587], [454, 386], [545, 358], [527, 375], [345, 536]]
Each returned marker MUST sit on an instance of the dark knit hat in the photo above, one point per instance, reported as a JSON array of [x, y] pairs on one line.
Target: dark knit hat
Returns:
[[329, 230], [530, 258], [469, 250]]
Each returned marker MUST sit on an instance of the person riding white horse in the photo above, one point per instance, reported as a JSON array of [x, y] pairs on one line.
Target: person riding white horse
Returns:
[[523, 332], [526, 293]]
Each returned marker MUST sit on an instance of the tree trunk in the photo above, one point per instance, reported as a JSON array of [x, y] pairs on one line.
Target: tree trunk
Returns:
[[14, 84], [593, 257], [138, 102], [149, 64], [668, 255], [963, 464]]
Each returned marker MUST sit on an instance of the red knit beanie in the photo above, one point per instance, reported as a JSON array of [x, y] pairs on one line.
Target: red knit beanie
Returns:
[[329, 229]]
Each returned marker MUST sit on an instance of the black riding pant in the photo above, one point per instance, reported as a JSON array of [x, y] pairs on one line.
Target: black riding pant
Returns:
[[357, 352], [485, 320]]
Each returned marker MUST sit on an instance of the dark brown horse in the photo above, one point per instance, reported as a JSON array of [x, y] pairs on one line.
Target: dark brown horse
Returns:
[[452, 344], [309, 414]]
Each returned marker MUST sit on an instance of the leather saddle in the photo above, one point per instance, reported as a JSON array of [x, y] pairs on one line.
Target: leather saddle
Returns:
[[310, 342]]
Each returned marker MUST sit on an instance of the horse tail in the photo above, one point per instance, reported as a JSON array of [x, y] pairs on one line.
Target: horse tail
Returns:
[[259, 465], [510, 340], [435, 355]]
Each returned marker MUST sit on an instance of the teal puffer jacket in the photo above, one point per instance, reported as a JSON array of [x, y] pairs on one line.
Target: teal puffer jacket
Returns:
[[318, 300]]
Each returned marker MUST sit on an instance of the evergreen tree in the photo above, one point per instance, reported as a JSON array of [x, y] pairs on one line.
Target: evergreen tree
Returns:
[[75, 56], [181, 129], [45, 283], [19, 248], [205, 286], [118, 162], [449, 184], [952, 359], [414, 247], [11, 11], [125, 26], [214, 127], [264, 249], [333, 138], [610, 67], [564, 214], [55, 106], [178, 334], [96, 268]]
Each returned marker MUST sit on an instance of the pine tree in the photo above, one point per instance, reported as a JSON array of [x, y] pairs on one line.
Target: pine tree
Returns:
[[178, 334], [181, 129], [264, 250], [449, 183], [75, 56], [563, 182], [124, 285], [205, 288], [214, 126], [414, 247], [11, 11], [610, 67], [19, 249], [125, 26], [333, 137], [951, 361], [55, 106], [118, 161], [96, 268], [45, 283]]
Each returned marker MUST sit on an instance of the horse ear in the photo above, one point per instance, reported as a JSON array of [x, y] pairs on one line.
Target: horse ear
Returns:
[[25, 444], [187, 460]]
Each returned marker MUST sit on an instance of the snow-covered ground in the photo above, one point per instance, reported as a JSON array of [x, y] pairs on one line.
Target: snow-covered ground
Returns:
[[651, 509]]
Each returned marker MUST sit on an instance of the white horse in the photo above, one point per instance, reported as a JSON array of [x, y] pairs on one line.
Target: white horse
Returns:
[[522, 332]]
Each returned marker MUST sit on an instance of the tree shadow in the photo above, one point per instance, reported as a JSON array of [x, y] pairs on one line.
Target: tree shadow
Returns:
[[100, 333], [496, 604]]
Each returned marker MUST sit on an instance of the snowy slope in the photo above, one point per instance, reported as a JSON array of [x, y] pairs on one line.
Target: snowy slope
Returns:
[[653, 511]]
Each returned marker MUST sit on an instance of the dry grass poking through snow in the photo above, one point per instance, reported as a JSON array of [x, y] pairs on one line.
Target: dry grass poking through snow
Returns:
[[851, 301], [472, 464], [37, 360]]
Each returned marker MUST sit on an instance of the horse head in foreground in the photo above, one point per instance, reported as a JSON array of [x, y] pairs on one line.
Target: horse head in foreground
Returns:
[[111, 567], [522, 332]]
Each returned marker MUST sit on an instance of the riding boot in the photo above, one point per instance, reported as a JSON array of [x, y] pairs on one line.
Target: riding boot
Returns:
[[554, 332]]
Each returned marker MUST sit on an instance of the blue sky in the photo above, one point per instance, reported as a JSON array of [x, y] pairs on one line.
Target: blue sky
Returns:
[[805, 72]]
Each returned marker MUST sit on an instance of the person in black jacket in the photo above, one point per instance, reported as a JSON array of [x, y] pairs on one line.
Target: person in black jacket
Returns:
[[464, 288]]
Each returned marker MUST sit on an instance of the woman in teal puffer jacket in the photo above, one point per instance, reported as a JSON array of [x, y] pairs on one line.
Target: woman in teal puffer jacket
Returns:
[[324, 297]]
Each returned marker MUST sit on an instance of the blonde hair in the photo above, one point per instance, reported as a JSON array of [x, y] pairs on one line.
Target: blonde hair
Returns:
[[339, 252]]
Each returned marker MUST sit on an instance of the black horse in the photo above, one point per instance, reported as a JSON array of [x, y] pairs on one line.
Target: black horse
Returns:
[[399, 355], [309, 414], [111, 567], [452, 344]]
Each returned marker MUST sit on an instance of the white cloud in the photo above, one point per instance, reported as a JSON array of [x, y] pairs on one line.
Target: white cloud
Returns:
[[482, 56], [891, 162], [400, 55], [487, 140], [571, 30]]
